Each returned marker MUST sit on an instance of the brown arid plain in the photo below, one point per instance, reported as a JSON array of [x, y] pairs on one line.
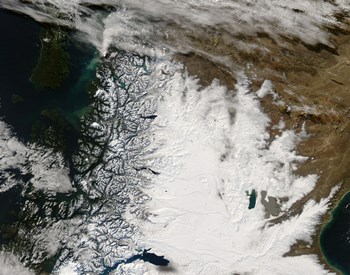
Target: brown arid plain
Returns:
[[314, 84]]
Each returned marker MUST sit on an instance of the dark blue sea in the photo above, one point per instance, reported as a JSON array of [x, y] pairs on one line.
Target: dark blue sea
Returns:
[[335, 237]]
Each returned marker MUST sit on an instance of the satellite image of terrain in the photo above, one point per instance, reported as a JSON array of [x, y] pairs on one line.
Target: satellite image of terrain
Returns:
[[187, 137]]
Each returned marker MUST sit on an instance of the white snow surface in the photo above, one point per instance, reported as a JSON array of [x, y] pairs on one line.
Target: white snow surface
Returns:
[[68, 269], [210, 147]]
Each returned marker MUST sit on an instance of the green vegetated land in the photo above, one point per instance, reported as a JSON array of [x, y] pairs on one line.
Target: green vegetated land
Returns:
[[62, 78], [52, 69], [44, 93], [54, 63]]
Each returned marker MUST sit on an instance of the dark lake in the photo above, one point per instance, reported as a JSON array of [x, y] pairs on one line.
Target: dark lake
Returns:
[[252, 199], [144, 256]]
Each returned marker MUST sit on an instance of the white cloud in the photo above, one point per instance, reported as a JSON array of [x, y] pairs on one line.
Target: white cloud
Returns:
[[47, 169], [210, 146], [144, 25], [9, 264]]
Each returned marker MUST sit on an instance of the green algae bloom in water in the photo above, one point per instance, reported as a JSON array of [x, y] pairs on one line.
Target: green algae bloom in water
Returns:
[[45, 82], [335, 237]]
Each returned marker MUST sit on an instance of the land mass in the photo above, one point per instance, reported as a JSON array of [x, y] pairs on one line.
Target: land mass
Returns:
[[314, 84]]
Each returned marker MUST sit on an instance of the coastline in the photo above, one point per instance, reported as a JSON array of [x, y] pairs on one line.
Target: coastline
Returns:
[[314, 93], [319, 71], [337, 210], [59, 96]]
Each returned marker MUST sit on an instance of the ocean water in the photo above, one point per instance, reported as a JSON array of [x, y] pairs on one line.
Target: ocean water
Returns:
[[19, 51], [147, 157], [335, 237], [24, 106]]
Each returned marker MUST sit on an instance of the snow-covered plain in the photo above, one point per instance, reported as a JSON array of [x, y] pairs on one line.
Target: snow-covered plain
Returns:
[[169, 166], [166, 164], [210, 147]]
